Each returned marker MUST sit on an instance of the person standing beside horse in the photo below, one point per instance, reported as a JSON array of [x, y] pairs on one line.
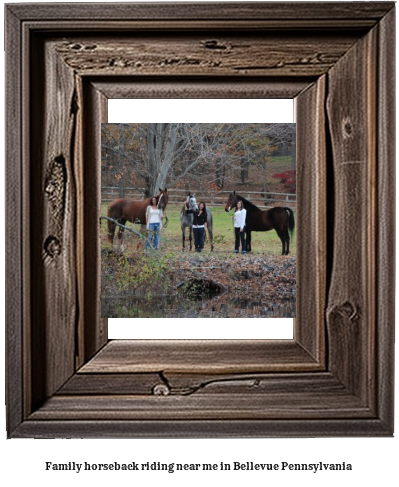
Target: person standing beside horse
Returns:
[[279, 218], [239, 228], [199, 225], [124, 210], [154, 216]]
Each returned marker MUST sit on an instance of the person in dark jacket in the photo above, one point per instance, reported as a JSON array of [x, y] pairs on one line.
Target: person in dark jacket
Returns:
[[199, 225]]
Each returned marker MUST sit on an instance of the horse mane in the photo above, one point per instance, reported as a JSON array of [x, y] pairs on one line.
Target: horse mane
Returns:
[[248, 204], [183, 210], [157, 196]]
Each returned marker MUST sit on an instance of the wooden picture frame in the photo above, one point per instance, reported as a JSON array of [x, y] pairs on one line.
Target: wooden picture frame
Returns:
[[335, 378]]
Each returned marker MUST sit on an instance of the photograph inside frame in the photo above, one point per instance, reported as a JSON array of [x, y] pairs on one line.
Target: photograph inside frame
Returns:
[[198, 220]]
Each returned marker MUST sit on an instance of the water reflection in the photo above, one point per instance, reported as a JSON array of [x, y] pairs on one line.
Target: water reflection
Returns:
[[180, 306]]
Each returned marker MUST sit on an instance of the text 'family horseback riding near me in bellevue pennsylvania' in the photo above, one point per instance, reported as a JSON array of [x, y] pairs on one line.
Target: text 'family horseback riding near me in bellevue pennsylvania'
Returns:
[[172, 467]]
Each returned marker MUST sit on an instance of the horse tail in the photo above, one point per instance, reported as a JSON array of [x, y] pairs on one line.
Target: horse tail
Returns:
[[291, 220]]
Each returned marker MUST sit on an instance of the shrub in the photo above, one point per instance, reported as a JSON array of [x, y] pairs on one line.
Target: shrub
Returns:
[[288, 179]]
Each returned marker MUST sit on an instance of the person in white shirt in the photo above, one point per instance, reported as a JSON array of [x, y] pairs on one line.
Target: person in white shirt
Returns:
[[154, 217], [239, 228]]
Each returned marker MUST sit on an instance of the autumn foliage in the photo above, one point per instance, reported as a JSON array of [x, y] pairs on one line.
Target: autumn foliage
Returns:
[[288, 179]]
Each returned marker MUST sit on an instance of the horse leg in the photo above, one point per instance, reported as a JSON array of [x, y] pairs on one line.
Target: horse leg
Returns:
[[287, 243], [285, 237], [210, 232], [111, 232], [183, 233], [282, 238], [191, 238], [248, 241], [121, 231]]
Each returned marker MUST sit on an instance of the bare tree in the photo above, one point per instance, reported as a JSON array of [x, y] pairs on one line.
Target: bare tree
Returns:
[[171, 154], [161, 143]]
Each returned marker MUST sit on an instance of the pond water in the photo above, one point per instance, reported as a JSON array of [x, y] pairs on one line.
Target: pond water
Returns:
[[182, 306]]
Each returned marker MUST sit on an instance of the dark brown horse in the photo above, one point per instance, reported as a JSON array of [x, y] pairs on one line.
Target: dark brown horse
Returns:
[[257, 220], [127, 209]]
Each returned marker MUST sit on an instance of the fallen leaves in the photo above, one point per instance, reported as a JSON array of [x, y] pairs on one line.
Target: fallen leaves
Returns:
[[250, 285]]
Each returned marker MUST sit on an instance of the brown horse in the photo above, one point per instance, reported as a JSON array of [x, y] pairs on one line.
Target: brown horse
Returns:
[[257, 220], [127, 209]]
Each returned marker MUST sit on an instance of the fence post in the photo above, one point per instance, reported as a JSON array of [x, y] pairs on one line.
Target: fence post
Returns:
[[121, 189]]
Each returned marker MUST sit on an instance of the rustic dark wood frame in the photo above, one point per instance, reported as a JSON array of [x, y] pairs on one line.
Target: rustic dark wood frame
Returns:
[[64, 378]]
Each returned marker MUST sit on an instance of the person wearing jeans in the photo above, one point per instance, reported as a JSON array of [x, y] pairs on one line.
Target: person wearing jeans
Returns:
[[239, 228], [199, 225], [153, 236], [154, 217]]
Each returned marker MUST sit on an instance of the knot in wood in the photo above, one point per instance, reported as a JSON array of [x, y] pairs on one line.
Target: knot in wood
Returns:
[[55, 181], [347, 128], [161, 390], [213, 44], [52, 246], [346, 310], [50, 188], [349, 310]]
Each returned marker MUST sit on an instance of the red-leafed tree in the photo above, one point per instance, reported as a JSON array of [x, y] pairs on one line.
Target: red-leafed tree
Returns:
[[288, 179]]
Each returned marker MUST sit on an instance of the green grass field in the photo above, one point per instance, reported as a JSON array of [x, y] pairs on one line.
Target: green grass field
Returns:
[[265, 243]]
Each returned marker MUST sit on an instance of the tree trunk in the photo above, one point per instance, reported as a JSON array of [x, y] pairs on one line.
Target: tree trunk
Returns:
[[152, 142], [168, 146], [244, 169], [264, 169], [220, 175]]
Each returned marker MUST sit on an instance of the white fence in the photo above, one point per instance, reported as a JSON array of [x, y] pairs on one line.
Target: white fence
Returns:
[[211, 198]]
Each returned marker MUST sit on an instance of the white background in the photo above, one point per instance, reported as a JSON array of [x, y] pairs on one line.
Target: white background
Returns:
[[374, 460]]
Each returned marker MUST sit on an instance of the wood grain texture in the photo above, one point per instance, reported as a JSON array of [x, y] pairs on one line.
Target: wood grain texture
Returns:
[[275, 396], [351, 112], [184, 384], [15, 257], [277, 11], [95, 112], [385, 246], [204, 407], [200, 356], [111, 384], [52, 218], [311, 219], [217, 55], [175, 87], [65, 62], [118, 428]]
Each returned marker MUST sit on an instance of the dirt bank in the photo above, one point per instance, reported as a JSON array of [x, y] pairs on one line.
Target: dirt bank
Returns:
[[201, 285]]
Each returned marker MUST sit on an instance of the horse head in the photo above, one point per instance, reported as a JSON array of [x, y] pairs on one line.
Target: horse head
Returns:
[[162, 198], [231, 202], [192, 202]]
